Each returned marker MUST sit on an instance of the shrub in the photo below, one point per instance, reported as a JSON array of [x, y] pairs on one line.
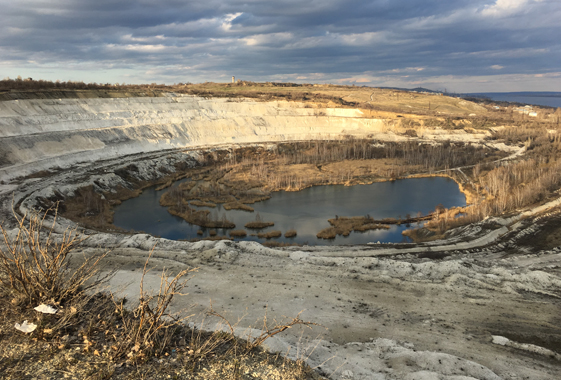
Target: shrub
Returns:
[[238, 233], [290, 233], [35, 262], [150, 327], [269, 235]]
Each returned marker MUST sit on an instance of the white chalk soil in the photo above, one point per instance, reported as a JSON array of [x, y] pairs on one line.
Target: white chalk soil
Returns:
[[380, 317]]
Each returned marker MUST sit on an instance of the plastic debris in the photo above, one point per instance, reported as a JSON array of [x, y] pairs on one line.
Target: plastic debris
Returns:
[[46, 309], [26, 327]]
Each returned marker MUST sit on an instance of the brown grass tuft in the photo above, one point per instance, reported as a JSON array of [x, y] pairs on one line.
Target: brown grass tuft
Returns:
[[290, 234], [269, 235], [238, 233], [35, 262]]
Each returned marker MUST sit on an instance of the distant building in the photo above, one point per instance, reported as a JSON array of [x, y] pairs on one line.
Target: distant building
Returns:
[[527, 110], [233, 79]]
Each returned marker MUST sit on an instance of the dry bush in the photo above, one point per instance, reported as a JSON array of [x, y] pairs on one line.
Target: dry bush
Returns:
[[36, 268], [327, 233], [238, 233], [270, 234], [278, 244], [268, 329], [258, 225], [149, 328], [236, 205], [35, 262], [290, 233]]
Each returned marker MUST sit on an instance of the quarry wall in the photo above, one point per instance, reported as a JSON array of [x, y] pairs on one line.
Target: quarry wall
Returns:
[[41, 134]]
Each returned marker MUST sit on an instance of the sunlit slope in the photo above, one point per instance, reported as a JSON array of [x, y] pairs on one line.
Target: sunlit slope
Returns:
[[364, 97]]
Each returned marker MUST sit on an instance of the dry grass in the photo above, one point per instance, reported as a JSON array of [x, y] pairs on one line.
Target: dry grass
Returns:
[[344, 226], [238, 233], [270, 234], [35, 262], [200, 218], [328, 233], [377, 101], [237, 206], [151, 327], [202, 204], [258, 225], [268, 328], [290, 234], [278, 244]]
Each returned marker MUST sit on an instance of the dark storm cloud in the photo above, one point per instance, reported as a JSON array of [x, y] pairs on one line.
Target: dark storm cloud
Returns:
[[374, 42]]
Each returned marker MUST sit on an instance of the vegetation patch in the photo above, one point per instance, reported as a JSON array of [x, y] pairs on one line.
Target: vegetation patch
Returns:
[[238, 233], [269, 235], [258, 225], [200, 218], [290, 234], [237, 206], [202, 204], [345, 225], [279, 244]]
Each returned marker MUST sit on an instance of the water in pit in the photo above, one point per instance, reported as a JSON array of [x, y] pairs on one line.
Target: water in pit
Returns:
[[305, 211]]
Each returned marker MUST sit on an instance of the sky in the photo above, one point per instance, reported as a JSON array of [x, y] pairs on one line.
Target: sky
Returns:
[[452, 45]]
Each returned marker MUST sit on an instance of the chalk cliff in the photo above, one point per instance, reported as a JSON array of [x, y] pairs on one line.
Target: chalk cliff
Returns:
[[40, 134]]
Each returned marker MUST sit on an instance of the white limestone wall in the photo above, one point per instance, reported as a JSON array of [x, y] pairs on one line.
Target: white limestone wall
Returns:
[[45, 133]]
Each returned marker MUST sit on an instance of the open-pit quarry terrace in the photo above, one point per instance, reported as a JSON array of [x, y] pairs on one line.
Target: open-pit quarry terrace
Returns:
[[475, 306]]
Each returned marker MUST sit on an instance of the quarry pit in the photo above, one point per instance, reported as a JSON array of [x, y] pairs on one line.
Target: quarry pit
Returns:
[[480, 301]]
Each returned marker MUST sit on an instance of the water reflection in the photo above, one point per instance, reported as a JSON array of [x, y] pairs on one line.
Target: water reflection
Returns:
[[305, 211]]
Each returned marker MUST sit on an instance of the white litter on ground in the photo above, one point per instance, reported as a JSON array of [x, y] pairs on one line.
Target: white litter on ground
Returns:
[[46, 309], [26, 327]]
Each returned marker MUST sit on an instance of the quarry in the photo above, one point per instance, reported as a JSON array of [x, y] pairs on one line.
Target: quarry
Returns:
[[474, 293]]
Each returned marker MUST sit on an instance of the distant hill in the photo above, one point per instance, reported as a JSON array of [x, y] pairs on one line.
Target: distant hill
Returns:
[[539, 98], [542, 94], [417, 89]]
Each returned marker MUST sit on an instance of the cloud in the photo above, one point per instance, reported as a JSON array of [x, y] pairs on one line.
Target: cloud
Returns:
[[271, 39], [227, 23], [506, 7], [400, 41]]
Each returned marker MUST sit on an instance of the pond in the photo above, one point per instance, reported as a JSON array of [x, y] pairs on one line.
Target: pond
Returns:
[[305, 211]]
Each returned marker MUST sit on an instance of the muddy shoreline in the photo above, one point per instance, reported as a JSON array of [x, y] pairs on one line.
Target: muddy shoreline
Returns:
[[217, 178]]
